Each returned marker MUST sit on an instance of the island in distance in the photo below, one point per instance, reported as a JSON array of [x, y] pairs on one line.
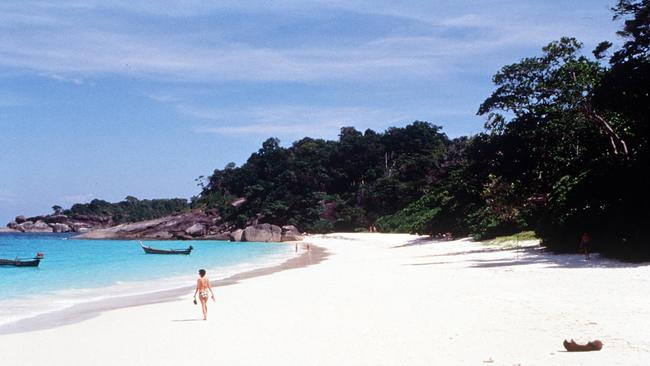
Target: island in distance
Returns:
[[193, 224]]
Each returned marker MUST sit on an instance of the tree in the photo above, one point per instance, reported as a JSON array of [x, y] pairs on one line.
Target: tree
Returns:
[[57, 209], [625, 89], [636, 30], [357, 179], [131, 199], [541, 88]]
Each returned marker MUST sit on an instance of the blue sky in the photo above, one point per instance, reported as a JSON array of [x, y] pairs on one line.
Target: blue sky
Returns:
[[104, 99]]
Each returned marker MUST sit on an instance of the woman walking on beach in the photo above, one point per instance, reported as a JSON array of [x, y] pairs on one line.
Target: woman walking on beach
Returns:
[[204, 290]]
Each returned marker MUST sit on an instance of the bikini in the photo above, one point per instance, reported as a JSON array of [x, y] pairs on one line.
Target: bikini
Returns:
[[203, 293]]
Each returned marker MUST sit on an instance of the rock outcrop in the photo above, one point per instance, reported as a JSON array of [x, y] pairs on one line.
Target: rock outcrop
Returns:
[[42, 227], [290, 233], [80, 227], [197, 229], [58, 223], [25, 226], [30, 227], [191, 225], [266, 233], [60, 228], [236, 235], [262, 233], [34, 227]]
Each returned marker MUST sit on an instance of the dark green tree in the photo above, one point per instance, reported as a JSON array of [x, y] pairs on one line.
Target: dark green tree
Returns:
[[57, 209]]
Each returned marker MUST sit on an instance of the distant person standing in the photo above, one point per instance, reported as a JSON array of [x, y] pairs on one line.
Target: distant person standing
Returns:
[[585, 244], [204, 290]]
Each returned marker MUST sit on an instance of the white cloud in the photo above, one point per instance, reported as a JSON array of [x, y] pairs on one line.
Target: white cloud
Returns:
[[44, 37], [75, 81], [291, 121], [78, 198], [266, 130], [97, 53]]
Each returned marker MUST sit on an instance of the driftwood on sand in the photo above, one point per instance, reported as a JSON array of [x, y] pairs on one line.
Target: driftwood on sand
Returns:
[[572, 346]]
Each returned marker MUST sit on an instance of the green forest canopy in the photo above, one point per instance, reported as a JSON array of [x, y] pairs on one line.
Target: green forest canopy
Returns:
[[130, 209]]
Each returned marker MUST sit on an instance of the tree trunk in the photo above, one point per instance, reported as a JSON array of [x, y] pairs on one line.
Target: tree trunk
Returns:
[[618, 144]]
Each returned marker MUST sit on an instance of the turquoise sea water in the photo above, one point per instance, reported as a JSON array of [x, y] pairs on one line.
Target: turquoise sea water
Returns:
[[81, 270]]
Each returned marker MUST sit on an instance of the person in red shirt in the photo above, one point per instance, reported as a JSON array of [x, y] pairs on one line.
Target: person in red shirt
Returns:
[[585, 243]]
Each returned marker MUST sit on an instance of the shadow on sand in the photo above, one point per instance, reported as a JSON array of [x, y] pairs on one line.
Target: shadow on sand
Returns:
[[531, 256], [188, 320], [426, 240]]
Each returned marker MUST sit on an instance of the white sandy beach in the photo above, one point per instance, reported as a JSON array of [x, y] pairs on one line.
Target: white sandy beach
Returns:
[[378, 299]]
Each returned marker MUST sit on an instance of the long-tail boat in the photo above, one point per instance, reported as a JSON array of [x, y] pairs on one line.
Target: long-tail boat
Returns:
[[33, 262], [150, 250]]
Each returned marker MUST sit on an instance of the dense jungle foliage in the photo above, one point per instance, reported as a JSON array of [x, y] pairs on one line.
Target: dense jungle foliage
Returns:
[[564, 152], [130, 209]]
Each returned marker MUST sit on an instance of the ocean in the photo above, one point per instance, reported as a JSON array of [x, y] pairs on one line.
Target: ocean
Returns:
[[75, 271]]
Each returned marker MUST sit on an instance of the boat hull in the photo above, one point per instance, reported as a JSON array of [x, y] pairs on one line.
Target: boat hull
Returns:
[[150, 250], [20, 263]]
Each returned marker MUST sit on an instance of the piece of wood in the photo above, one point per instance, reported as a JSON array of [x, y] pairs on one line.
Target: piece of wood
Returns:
[[572, 346]]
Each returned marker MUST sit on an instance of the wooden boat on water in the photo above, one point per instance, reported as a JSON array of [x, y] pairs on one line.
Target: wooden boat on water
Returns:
[[33, 262], [150, 250]]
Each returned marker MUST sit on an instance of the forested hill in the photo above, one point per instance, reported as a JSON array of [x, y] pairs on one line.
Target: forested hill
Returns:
[[565, 151], [342, 185], [131, 209]]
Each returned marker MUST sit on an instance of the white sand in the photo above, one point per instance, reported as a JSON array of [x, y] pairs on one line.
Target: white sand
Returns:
[[374, 303]]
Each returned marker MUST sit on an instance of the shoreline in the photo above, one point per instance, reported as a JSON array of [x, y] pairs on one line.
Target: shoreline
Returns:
[[87, 310], [381, 300]]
